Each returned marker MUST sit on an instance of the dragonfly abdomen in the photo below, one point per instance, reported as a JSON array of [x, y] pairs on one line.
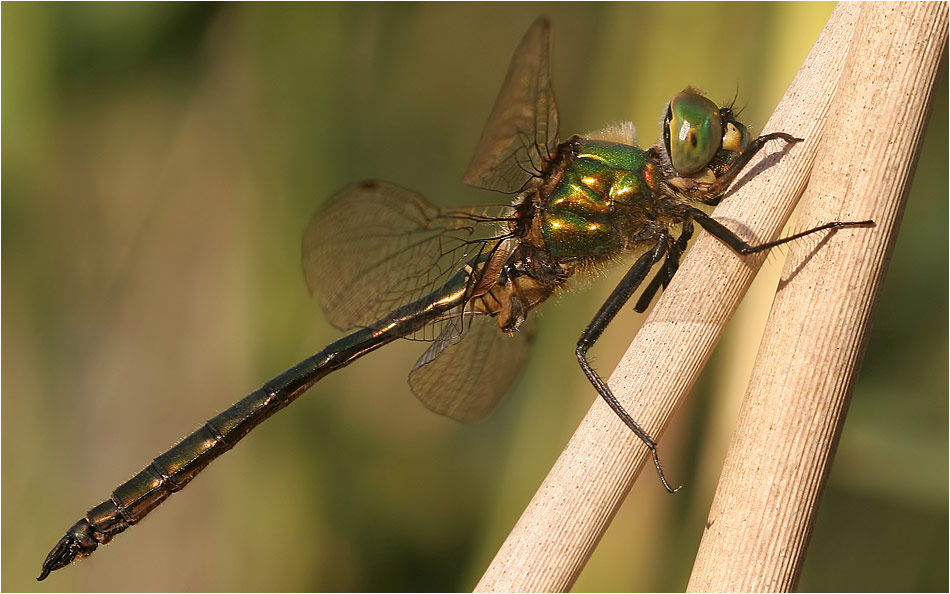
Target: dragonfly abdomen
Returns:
[[173, 470]]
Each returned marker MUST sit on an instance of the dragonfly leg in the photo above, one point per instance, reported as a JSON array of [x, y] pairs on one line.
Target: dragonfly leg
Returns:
[[615, 302], [670, 266], [740, 246], [660, 278], [718, 188]]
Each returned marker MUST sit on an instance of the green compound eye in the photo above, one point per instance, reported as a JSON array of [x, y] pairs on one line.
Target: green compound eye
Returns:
[[693, 132]]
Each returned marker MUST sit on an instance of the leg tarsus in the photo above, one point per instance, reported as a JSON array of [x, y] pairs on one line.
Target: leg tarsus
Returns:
[[659, 470]]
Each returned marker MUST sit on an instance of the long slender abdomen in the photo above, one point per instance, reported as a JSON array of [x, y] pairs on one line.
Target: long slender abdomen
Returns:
[[170, 472]]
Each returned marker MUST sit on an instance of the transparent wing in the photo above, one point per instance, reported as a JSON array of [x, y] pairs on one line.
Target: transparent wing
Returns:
[[465, 377], [523, 126], [375, 246]]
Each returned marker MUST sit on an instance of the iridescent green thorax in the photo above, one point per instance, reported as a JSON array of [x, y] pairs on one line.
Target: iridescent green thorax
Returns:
[[604, 186]]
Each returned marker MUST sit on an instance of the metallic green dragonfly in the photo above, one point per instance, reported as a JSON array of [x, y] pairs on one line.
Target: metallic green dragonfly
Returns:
[[387, 263]]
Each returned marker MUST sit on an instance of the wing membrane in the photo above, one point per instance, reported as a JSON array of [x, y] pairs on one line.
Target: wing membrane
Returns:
[[466, 377], [522, 129], [376, 246]]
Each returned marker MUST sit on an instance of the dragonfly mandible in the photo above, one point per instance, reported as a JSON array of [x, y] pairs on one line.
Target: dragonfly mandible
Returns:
[[387, 264]]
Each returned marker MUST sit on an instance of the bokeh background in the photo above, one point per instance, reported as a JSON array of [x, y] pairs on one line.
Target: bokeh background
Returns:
[[160, 163]]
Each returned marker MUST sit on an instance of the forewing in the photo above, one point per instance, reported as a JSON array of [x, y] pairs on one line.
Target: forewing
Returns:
[[522, 129], [375, 246], [465, 376]]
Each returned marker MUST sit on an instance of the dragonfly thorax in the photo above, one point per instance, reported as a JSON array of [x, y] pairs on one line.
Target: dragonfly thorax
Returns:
[[603, 198]]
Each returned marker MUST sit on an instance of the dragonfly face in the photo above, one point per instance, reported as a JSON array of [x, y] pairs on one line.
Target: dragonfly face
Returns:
[[386, 264]]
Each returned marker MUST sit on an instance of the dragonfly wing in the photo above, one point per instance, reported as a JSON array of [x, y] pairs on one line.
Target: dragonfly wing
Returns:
[[375, 246], [522, 129], [464, 376]]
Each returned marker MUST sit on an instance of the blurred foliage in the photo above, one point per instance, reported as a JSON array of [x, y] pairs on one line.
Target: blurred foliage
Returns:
[[160, 163]]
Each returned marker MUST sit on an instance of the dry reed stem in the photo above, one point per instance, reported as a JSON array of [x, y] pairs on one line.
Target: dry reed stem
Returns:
[[767, 500], [557, 533]]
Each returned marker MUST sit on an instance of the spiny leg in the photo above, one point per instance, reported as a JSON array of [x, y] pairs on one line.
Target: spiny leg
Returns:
[[686, 233], [614, 303], [634, 277], [670, 266], [718, 188], [660, 278], [740, 246]]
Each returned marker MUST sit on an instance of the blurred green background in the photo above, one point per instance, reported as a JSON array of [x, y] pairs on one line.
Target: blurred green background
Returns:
[[160, 163]]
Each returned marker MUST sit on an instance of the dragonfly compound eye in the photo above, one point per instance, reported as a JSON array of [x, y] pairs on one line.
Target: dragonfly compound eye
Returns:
[[693, 132]]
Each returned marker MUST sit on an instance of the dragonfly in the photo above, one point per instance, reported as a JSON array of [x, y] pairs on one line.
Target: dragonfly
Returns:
[[386, 264]]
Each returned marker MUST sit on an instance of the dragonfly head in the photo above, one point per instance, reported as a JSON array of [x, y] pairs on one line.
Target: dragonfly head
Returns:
[[699, 135]]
